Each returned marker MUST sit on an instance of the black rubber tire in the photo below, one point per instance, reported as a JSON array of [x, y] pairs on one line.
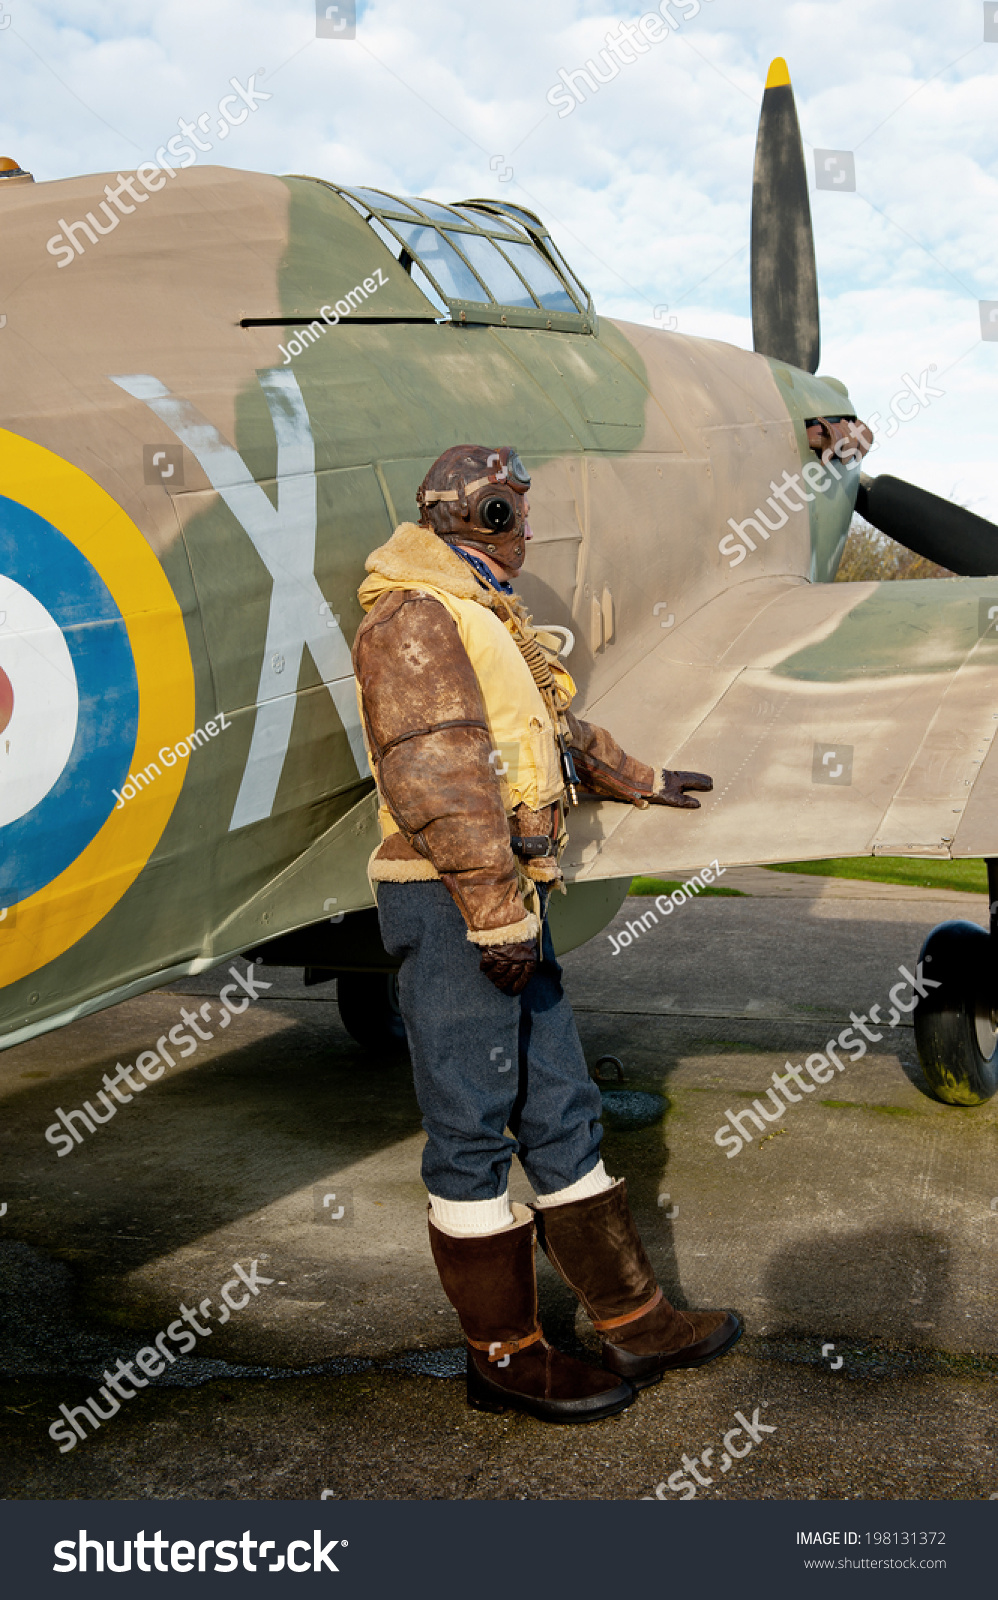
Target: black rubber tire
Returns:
[[957, 1043], [369, 1008]]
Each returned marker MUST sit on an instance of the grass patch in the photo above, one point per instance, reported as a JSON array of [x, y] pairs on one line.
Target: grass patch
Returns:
[[858, 1105], [968, 876], [670, 885]]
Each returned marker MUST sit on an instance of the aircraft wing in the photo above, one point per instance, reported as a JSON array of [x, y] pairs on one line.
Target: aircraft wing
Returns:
[[835, 719]]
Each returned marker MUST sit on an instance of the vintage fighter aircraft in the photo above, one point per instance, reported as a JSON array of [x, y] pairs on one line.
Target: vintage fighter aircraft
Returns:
[[220, 394]]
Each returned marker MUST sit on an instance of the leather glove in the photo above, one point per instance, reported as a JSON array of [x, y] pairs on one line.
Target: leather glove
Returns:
[[509, 966], [674, 786]]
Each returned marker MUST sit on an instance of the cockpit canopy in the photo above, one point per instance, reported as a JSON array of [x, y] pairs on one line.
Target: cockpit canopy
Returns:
[[479, 260]]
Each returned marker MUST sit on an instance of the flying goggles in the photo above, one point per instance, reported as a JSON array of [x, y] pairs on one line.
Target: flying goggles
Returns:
[[495, 512]]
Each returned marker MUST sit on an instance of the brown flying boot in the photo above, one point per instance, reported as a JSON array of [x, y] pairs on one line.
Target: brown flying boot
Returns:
[[490, 1281], [595, 1245]]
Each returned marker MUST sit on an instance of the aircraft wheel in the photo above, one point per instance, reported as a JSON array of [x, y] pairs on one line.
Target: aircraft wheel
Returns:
[[369, 1008], [955, 1025]]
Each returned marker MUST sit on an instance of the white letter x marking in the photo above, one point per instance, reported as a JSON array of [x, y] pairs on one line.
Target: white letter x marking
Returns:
[[285, 542]]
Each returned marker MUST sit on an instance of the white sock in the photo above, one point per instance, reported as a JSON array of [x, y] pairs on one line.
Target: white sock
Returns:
[[466, 1218], [593, 1183]]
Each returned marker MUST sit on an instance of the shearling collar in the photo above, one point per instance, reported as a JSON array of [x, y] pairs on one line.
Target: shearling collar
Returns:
[[415, 555]]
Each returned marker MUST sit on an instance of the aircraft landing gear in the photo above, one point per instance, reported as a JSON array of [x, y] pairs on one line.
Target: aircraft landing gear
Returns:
[[369, 1008], [956, 1025]]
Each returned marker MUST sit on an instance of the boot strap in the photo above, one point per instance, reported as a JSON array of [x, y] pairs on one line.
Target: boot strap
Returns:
[[497, 1351], [629, 1316]]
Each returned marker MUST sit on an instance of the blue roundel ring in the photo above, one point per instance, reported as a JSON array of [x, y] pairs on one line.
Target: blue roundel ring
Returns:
[[37, 847]]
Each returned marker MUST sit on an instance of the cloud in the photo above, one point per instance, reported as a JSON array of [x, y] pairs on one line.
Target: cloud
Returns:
[[646, 186]]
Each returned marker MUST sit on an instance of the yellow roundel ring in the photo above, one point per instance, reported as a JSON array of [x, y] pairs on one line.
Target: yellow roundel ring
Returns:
[[57, 502]]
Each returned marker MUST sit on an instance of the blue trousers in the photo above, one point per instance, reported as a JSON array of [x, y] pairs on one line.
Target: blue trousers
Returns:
[[485, 1062]]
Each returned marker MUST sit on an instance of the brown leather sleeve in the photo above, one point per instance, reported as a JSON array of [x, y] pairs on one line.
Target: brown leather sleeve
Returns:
[[604, 768], [430, 744]]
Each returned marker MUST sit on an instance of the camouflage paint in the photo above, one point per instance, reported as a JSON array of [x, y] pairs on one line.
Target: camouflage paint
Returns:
[[807, 397], [896, 631], [641, 443]]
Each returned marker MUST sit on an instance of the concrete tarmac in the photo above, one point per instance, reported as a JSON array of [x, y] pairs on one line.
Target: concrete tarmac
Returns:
[[857, 1238]]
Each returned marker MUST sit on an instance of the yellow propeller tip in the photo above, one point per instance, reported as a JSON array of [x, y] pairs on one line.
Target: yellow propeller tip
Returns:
[[779, 74]]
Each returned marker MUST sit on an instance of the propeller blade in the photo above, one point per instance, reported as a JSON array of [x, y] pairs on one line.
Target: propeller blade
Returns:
[[950, 535], [785, 322]]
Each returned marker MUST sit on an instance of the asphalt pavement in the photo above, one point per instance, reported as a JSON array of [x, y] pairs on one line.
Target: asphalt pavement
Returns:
[[857, 1238]]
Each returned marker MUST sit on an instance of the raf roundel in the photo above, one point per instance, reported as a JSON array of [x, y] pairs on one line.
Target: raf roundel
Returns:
[[95, 673], [74, 701], [6, 695], [39, 722]]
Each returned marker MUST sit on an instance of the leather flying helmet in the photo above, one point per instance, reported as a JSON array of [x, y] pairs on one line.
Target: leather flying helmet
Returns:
[[476, 496]]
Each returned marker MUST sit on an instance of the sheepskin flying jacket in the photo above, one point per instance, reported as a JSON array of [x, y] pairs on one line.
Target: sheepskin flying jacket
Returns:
[[460, 737]]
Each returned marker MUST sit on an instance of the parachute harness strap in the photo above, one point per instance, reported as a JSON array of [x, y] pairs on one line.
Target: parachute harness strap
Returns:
[[540, 670]]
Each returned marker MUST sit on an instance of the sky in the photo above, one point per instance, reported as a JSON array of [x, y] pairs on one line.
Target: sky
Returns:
[[645, 185]]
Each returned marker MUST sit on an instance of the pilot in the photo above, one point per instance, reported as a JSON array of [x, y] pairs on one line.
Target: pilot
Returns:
[[478, 756]]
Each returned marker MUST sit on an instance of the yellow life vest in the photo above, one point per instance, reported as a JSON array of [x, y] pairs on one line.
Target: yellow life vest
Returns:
[[526, 754]]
